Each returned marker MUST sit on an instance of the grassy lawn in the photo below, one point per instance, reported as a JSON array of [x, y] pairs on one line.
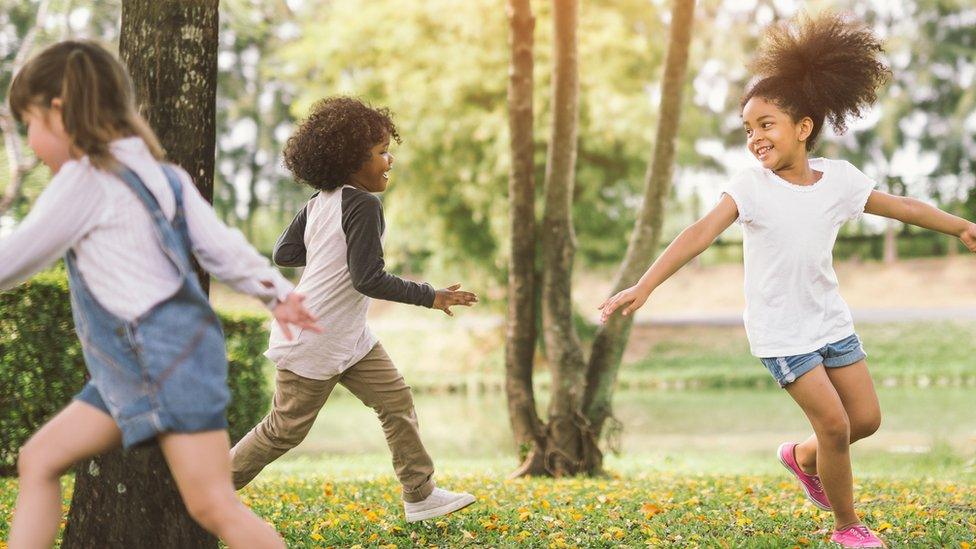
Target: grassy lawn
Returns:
[[345, 503], [911, 353]]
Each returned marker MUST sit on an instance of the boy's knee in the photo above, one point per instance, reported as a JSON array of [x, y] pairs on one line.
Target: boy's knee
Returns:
[[398, 402]]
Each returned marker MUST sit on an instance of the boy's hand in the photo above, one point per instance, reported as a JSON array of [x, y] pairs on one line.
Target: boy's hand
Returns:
[[291, 311], [450, 296], [968, 237], [632, 297]]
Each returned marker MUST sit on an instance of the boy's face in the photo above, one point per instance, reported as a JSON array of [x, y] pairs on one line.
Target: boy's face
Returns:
[[374, 176]]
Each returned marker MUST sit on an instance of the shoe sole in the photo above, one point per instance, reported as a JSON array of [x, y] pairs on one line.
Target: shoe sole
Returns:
[[817, 504], [446, 509]]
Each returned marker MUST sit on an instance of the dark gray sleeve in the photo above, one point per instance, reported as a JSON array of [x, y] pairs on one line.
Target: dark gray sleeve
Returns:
[[363, 224], [289, 250]]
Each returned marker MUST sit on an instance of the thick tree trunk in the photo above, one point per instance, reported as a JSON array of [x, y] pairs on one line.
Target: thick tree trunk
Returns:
[[569, 442], [521, 324], [611, 337], [128, 499]]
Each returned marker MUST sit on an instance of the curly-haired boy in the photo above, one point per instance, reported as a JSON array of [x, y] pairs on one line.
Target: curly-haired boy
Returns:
[[342, 150]]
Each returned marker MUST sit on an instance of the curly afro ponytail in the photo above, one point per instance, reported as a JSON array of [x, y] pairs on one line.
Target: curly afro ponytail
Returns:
[[824, 67]]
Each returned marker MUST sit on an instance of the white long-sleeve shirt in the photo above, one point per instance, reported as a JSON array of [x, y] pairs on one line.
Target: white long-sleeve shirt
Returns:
[[96, 214]]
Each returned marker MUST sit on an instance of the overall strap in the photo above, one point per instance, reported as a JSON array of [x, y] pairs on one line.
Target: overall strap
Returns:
[[179, 218], [173, 244]]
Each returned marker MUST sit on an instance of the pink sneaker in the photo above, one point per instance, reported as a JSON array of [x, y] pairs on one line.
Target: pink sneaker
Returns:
[[810, 483], [856, 535]]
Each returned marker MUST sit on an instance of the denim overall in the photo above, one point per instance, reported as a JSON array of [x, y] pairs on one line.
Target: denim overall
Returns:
[[165, 371]]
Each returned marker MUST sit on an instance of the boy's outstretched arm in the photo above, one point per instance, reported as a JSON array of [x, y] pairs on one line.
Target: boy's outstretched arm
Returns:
[[363, 225], [915, 212], [289, 250], [691, 242]]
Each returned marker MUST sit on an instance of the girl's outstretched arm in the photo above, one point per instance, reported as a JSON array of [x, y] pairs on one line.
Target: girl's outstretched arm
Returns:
[[915, 212], [691, 242]]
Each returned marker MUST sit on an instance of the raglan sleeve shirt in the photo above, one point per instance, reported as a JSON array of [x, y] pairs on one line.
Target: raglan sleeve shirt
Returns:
[[363, 225], [289, 250]]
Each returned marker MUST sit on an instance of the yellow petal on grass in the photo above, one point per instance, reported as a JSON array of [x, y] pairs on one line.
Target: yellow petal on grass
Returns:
[[884, 526], [650, 509]]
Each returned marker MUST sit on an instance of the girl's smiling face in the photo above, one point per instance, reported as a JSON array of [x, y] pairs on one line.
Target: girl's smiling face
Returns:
[[46, 135], [772, 136], [374, 175]]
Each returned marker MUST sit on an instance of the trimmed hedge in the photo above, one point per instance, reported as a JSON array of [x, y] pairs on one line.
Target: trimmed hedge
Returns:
[[42, 367]]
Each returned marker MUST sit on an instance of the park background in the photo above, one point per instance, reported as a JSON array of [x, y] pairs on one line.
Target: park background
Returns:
[[689, 457]]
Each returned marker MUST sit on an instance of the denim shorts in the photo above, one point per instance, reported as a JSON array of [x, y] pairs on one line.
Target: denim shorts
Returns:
[[787, 369]]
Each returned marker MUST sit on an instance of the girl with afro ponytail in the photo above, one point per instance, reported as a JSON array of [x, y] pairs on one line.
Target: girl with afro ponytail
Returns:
[[808, 71]]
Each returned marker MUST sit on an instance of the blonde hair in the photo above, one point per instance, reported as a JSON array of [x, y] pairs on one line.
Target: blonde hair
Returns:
[[98, 102]]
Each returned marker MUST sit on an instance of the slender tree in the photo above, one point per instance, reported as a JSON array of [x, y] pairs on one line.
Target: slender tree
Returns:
[[608, 346], [521, 326], [581, 390], [129, 499]]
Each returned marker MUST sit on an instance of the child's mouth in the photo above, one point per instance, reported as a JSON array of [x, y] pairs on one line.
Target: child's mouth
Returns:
[[761, 151]]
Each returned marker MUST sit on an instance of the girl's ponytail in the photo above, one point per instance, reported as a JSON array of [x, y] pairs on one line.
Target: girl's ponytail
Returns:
[[827, 68], [97, 100], [86, 120]]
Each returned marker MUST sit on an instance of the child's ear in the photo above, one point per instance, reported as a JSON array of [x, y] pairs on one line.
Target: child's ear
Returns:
[[806, 128], [57, 104]]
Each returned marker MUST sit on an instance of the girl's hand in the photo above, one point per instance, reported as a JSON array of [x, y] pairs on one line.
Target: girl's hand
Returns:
[[291, 311], [450, 296], [632, 297], [968, 237]]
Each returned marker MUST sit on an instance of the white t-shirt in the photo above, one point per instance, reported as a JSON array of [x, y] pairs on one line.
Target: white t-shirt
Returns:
[[793, 305]]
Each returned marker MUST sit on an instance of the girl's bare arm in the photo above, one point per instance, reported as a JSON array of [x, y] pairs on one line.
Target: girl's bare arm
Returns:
[[692, 241], [915, 212]]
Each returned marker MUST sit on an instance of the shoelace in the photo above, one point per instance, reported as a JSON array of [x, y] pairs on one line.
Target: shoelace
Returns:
[[860, 531]]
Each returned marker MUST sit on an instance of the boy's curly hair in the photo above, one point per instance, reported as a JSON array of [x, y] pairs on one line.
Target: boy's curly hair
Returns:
[[334, 141], [825, 67]]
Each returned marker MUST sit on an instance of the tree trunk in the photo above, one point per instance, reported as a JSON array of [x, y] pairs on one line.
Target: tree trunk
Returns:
[[128, 499], [611, 337], [568, 435], [521, 324]]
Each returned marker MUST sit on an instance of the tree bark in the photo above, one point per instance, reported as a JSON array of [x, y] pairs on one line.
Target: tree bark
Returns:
[[521, 323], [611, 337], [568, 438], [128, 499]]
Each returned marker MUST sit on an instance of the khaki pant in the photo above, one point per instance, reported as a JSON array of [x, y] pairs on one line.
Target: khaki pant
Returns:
[[297, 400]]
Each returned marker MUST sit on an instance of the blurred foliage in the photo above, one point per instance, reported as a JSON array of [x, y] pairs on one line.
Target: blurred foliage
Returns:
[[42, 367], [442, 67]]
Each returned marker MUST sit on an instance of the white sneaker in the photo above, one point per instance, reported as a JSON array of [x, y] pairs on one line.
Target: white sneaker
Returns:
[[438, 503]]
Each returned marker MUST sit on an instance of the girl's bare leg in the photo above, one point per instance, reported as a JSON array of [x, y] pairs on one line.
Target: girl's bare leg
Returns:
[[856, 389], [816, 395], [77, 432], [200, 464]]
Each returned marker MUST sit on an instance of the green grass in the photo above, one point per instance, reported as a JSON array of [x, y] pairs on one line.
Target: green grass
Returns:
[[341, 502], [911, 353]]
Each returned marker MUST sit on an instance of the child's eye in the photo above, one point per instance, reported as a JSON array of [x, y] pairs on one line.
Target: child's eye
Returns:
[[766, 124], [748, 132]]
